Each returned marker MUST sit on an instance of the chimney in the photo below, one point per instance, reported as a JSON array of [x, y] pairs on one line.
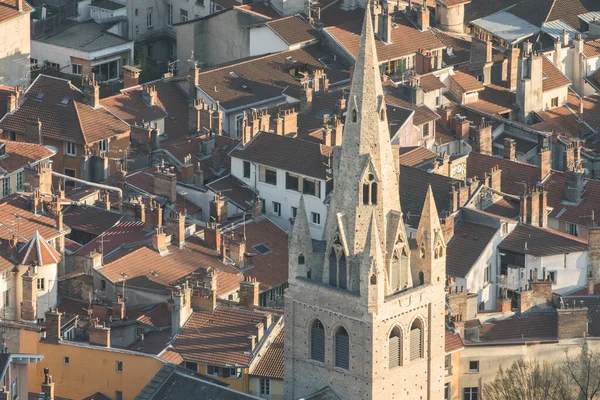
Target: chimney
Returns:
[[279, 125], [565, 38], [249, 291], [33, 131], [423, 17], [159, 241], [575, 185], [483, 138], [5, 393], [19, 5], [194, 80], [290, 121], [154, 215], [218, 209], [533, 210], [237, 251], [60, 226], [265, 121], [194, 124], [198, 176], [496, 178], [131, 76], [187, 170], [306, 97], [424, 62], [462, 126], [165, 185], [149, 95], [29, 303], [557, 53], [176, 227], [48, 385], [53, 325], [594, 251], [104, 201], [544, 163], [212, 236], [182, 308], [99, 334], [36, 202], [591, 285], [543, 212], [524, 208], [204, 298], [134, 208], [91, 92], [257, 208], [513, 67], [119, 308], [12, 104], [510, 149], [386, 27]]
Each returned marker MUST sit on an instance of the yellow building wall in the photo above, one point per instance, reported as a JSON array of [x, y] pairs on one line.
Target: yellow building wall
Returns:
[[453, 374], [241, 385]]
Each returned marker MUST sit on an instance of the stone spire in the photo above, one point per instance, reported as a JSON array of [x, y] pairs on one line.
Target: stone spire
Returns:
[[300, 244], [373, 268], [430, 240], [366, 176]]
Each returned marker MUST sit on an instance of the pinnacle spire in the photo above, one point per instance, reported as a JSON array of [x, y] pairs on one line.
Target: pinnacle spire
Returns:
[[430, 220], [300, 230]]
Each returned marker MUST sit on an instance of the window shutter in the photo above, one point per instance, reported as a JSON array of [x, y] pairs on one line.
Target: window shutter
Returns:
[[317, 350], [342, 350], [262, 173], [415, 343], [394, 345]]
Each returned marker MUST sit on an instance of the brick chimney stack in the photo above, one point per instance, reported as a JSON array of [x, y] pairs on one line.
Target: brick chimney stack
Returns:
[[176, 227], [594, 251], [159, 241], [29, 302], [119, 308], [99, 334], [249, 291], [149, 95], [131, 76], [33, 131], [218, 209], [423, 17], [19, 5], [237, 251], [53, 325], [182, 308], [544, 162], [91, 91], [48, 385], [510, 149], [483, 138]]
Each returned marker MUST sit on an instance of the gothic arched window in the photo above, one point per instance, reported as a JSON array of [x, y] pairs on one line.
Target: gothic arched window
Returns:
[[369, 192], [421, 278], [416, 339], [342, 272], [342, 349], [332, 268], [395, 272], [317, 341], [395, 348], [373, 279]]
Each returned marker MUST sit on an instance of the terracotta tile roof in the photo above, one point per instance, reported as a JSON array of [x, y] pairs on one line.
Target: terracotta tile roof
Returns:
[[569, 10], [562, 120], [293, 29], [21, 154], [311, 121], [76, 121], [9, 10], [71, 245], [423, 114], [139, 263], [413, 188], [155, 315], [271, 363], [430, 82], [90, 219], [461, 48], [28, 223], [541, 242], [514, 174], [591, 109], [266, 77], [415, 156], [505, 207], [466, 246], [406, 39], [535, 12], [218, 337], [482, 8], [171, 356], [269, 269], [38, 251], [494, 100], [235, 191], [290, 154], [593, 79], [258, 8], [453, 342], [591, 47], [554, 78], [521, 328], [132, 108], [122, 233], [467, 83]]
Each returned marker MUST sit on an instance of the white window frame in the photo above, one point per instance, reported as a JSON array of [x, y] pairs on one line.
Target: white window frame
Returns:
[[70, 149], [315, 218], [20, 180], [474, 370], [572, 229], [265, 386], [277, 208], [183, 17], [41, 284], [103, 146], [169, 14], [149, 17], [76, 69], [6, 186]]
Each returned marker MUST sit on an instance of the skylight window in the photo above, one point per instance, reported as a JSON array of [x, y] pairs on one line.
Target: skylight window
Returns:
[[64, 101], [40, 96], [262, 249], [234, 75]]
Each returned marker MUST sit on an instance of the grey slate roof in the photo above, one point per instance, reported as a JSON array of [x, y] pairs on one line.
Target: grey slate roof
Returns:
[[506, 26], [85, 36], [171, 384]]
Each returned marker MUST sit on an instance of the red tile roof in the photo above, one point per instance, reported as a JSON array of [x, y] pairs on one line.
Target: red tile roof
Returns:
[[75, 121], [541, 242], [155, 315], [287, 153], [38, 251], [21, 154], [293, 30], [271, 363], [9, 10], [132, 108], [263, 78], [467, 83], [553, 77], [423, 114], [466, 246], [416, 156], [542, 326], [406, 38], [218, 337], [591, 47], [430, 82], [258, 8], [122, 233], [505, 207], [494, 99], [15, 214], [453, 342], [90, 219]]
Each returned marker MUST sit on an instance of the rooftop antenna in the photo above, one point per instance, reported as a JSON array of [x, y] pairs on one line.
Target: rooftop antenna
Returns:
[[592, 216]]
